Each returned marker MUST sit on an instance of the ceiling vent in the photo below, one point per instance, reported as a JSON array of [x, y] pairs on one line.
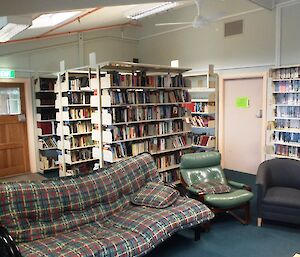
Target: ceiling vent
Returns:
[[233, 28]]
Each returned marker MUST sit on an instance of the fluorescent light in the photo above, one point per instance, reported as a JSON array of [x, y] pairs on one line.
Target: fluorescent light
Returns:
[[11, 26], [153, 10], [52, 19]]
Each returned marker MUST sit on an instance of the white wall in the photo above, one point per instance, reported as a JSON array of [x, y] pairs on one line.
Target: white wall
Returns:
[[290, 36], [196, 48], [45, 55]]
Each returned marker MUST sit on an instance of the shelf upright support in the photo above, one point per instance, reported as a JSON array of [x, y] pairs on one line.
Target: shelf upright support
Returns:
[[36, 144], [100, 127], [62, 170]]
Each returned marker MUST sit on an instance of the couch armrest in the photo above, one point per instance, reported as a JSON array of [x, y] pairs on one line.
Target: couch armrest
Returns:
[[239, 185], [263, 178], [8, 247]]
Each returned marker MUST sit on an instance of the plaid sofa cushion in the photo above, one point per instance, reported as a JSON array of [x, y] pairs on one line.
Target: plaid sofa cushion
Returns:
[[133, 231], [155, 195], [211, 187], [35, 210]]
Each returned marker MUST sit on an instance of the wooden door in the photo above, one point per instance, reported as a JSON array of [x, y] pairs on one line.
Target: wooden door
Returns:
[[14, 156], [243, 124]]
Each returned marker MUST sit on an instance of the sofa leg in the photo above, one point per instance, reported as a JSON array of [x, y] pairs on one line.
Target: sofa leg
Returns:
[[259, 222], [197, 231], [206, 227]]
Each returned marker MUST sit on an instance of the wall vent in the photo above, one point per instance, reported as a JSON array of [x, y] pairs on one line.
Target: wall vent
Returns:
[[233, 28]]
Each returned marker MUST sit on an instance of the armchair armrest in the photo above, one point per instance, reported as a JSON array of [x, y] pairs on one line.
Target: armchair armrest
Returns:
[[8, 247], [196, 192], [239, 185]]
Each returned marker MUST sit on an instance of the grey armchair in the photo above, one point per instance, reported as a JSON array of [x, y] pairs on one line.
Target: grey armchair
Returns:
[[278, 196]]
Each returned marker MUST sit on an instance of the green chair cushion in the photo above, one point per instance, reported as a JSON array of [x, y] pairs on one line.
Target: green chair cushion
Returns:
[[228, 200]]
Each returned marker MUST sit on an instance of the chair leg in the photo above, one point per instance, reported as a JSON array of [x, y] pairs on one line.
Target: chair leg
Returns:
[[247, 213], [259, 222], [247, 219]]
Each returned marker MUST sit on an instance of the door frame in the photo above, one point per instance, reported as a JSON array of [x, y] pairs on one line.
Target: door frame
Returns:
[[222, 79], [29, 119]]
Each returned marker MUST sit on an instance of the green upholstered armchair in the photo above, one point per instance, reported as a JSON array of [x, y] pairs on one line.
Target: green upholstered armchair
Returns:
[[204, 167]]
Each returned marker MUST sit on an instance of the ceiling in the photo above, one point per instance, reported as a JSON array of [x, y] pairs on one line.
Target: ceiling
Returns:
[[96, 14]]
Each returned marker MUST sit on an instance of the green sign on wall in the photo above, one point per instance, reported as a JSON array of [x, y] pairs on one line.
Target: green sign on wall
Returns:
[[7, 74], [242, 102]]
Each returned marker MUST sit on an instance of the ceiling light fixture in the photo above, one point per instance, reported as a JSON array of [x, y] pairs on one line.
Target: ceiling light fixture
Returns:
[[153, 10], [13, 25], [52, 19]]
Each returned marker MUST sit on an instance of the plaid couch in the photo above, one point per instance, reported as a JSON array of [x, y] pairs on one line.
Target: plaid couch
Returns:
[[92, 215]]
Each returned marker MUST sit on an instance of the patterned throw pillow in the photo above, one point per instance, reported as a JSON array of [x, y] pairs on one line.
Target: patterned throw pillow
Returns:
[[155, 195], [211, 187]]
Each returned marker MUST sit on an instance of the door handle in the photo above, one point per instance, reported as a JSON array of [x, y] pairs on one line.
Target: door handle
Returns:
[[21, 118], [259, 114]]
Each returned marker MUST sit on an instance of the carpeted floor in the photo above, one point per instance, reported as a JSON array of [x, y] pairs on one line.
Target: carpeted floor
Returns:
[[228, 238]]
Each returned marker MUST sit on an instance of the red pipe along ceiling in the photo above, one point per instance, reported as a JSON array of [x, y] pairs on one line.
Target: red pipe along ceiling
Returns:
[[48, 34]]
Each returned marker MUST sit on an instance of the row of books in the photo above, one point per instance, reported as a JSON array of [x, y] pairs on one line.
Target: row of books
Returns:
[[47, 84], [286, 73], [169, 177], [140, 79], [286, 137], [121, 150], [287, 98], [80, 127], [287, 86], [82, 113], [80, 141], [144, 97], [166, 161], [287, 111], [78, 98], [204, 107], [47, 127], [289, 151], [80, 155], [204, 140], [48, 142], [47, 162], [47, 114], [146, 113], [287, 124], [143, 130], [78, 83], [202, 121]]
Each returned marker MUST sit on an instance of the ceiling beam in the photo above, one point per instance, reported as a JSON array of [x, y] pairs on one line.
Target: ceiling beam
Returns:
[[17, 7], [268, 4]]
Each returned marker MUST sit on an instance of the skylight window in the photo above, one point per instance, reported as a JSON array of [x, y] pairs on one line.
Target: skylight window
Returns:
[[160, 7], [52, 19]]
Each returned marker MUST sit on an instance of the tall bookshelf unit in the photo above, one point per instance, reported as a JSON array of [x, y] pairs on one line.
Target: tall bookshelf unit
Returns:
[[204, 110], [141, 110], [73, 96], [284, 123], [46, 124]]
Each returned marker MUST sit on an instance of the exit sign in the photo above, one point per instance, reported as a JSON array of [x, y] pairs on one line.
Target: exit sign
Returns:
[[7, 74]]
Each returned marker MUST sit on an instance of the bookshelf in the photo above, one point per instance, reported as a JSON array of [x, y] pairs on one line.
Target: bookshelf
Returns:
[[73, 105], [45, 123], [204, 110], [283, 132], [142, 110]]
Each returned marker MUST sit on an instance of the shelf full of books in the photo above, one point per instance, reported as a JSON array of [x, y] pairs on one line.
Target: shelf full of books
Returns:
[[73, 116], [204, 110], [283, 133], [141, 110], [46, 124]]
